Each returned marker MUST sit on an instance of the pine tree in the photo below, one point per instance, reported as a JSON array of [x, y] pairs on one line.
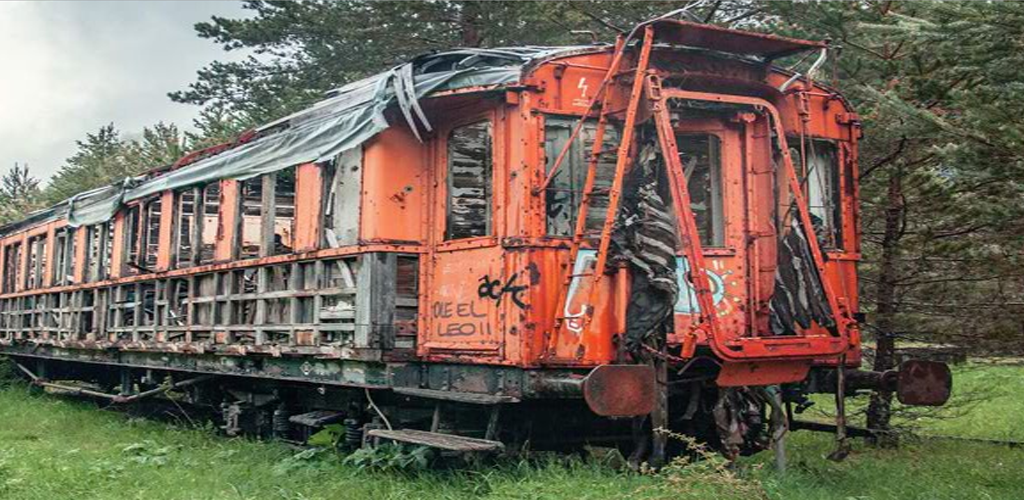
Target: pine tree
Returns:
[[19, 194]]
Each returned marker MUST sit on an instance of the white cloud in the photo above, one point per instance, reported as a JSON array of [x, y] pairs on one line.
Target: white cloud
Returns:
[[68, 68]]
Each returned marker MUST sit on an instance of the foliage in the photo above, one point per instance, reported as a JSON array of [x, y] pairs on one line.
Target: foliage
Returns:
[[391, 457], [107, 157], [303, 49], [19, 194]]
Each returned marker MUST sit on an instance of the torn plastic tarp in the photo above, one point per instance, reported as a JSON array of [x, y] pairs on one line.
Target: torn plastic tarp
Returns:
[[352, 115]]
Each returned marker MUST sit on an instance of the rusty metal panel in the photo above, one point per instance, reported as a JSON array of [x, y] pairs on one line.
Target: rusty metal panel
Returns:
[[621, 390]]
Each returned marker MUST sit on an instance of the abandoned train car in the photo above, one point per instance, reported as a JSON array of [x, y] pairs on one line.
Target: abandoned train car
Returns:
[[600, 240]]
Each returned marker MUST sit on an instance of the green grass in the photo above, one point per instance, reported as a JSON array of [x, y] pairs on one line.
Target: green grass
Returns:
[[55, 448]]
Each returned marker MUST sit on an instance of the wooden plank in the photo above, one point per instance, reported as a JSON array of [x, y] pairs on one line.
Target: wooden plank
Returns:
[[375, 300], [436, 440], [459, 397]]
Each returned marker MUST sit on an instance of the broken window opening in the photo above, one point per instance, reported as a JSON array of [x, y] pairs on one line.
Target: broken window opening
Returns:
[[63, 268], [210, 223], [252, 218], [284, 211], [470, 177], [700, 155], [12, 267], [132, 240], [822, 188], [36, 261], [185, 228], [151, 236], [565, 192], [94, 244]]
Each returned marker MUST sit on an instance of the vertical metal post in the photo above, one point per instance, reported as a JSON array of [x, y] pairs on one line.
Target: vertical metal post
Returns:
[[842, 445]]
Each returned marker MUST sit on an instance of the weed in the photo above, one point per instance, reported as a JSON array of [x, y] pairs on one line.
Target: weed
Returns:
[[391, 457]]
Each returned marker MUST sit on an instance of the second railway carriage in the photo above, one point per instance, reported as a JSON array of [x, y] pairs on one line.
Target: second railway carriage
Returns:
[[600, 240]]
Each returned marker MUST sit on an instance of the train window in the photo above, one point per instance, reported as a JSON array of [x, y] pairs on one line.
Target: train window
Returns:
[[822, 188], [12, 267], [470, 174], [94, 252], [700, 155], [252, 218], [185, 227], [284, 211], [63, 256], [36, 261], [151, 234], [564, 194], [209, 222], [132, 240]]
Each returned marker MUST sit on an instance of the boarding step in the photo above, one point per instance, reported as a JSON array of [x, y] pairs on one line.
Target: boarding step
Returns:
[[317, 418], [437, 440], [457, 397]]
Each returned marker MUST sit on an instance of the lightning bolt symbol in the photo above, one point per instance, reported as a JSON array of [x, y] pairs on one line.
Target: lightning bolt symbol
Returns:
[[583, 86]]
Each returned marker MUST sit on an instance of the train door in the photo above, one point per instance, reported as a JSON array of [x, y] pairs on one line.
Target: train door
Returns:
[[712, 153], [467, 286]]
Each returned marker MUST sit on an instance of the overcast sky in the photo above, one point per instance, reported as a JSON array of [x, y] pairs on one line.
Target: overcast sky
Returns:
[[70, 67]]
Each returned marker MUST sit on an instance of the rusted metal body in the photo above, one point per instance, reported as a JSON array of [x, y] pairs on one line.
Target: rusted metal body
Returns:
[[448, 265]]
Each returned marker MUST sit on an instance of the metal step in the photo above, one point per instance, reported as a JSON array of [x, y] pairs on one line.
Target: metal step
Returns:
[[437, 440]]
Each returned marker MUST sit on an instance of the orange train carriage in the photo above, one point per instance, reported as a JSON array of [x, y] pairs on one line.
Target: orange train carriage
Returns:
[[613, 239]]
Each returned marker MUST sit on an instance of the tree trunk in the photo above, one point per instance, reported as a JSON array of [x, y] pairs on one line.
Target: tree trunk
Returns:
[[880, 408], [469, 24]]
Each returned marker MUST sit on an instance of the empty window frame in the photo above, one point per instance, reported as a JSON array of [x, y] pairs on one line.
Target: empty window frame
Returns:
[[133, 224], [152, 212], [565, 192], [701, 158], [12, 267], [185, 227], [209, 223], [96, 261], [284, 211], [251, 233], [268, 214], [63, 256], [821, 176], [36, 261], [469, 181]]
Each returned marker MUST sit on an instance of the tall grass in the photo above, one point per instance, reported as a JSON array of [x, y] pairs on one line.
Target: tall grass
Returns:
[[57, 448]]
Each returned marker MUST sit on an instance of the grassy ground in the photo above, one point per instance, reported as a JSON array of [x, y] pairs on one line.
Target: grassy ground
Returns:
[[56, 448]]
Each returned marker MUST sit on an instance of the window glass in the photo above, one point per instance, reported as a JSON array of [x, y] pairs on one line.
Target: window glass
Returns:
[[700, 155], [821, 187], [470, 174], [565, 192]]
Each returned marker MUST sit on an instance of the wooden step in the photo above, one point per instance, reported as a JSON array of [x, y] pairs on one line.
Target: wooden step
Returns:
[[437, 440], [458, 397]]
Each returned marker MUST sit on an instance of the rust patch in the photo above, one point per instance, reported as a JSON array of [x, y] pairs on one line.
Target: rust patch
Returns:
[[924, 383], [620, 390]]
